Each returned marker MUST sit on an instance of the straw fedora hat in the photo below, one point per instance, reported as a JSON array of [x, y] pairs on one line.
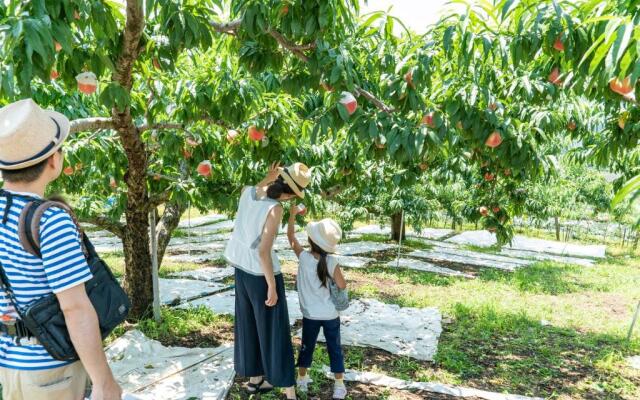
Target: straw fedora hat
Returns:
[[297, 176], [326, 234], [29, 134]]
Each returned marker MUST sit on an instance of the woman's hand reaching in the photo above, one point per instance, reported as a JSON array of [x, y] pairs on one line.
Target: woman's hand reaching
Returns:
[[272, 174]]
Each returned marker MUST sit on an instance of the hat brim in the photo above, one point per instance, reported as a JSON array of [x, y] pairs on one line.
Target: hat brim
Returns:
[[65, 128], [291, 183], [312, 232]]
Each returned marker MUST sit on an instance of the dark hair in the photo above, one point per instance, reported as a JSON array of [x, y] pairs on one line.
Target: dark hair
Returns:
[[26, 175], [278, 188], [323, 269]]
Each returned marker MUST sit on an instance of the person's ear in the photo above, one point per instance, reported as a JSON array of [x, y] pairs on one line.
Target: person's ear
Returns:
[[52, 162]]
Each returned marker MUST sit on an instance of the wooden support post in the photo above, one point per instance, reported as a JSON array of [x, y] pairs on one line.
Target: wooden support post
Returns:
[[400, 239], [154, 265], [633, 322]]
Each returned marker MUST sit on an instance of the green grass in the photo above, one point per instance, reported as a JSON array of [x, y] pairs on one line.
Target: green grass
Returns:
[[179, 323], [550, 330], [115, 261], [522, 356]]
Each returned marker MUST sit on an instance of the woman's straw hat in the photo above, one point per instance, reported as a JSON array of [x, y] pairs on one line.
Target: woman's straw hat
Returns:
[[297, 176]]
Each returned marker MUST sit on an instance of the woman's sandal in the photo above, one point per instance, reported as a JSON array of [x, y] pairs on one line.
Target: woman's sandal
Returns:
[[254, 388]]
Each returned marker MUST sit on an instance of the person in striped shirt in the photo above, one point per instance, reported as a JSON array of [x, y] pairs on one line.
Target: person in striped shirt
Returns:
[[31, 157]]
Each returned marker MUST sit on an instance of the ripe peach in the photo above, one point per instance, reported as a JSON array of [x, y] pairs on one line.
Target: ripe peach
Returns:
[[204, 168], [494, 140], [349, 102], [256, 134]]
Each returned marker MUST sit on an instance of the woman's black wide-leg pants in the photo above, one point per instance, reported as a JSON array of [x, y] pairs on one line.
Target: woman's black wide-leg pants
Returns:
[[262, 334]]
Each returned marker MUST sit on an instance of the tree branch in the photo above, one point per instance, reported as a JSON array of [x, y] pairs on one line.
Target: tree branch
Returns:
[[179, 125], [230, 28], [117, 228], [161, 126], [297, 50], [130, 44], [157, 199], [374, 100], [91, 124]]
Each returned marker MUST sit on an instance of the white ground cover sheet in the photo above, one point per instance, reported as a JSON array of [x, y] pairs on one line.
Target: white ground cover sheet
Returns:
[[372, 230], [282, 241], [358, 248], [487, 239], [286, 255], [211, 274], [173, 291], [212, 228], [585, 262], [406, 331], [634, 362], [439, 244], [151, 371], [196, 258], [199, 221], [189, 239], [473, 258], [431, 233], [427, 233], [344, 261], [354, 261], [427, 267], [196, 247], [106, 244], [373, 378], [224, 303]]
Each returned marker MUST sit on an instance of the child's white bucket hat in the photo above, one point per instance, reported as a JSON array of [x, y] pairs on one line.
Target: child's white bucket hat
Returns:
[[326, 234]]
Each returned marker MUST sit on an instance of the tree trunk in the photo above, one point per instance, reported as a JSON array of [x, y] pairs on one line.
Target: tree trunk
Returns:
[[168, 223], [396, 226], [557, 222], [137, 256], [137, 282]]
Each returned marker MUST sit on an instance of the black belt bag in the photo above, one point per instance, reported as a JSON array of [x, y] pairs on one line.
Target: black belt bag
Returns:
[[44, 318]]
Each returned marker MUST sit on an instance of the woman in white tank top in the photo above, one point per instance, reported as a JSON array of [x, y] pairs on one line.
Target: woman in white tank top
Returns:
[[263, 349]]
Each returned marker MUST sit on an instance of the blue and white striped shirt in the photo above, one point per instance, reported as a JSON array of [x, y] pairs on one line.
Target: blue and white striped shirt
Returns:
[[62, 267]]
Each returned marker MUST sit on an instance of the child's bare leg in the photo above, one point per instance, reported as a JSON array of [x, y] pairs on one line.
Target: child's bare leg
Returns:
[[339, 377], [302, 371]]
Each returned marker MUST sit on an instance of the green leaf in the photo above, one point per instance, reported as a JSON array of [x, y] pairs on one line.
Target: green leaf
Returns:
[[115, 96], [619, 46], [633, 185]]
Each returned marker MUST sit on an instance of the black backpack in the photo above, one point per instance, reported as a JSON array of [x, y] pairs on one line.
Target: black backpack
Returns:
[[43, 318]]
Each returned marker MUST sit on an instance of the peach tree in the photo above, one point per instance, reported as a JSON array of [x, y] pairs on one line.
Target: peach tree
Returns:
[[162, 95]]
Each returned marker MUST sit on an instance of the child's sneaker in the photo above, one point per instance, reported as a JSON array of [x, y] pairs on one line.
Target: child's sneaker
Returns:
[[339, 391], [303, 383]]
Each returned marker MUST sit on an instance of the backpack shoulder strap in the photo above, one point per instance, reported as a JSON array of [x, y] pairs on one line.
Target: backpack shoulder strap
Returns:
[[29, 224]]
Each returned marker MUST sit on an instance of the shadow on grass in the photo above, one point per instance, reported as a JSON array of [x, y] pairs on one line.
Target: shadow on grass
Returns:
[[543, 277], [484, 348]]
